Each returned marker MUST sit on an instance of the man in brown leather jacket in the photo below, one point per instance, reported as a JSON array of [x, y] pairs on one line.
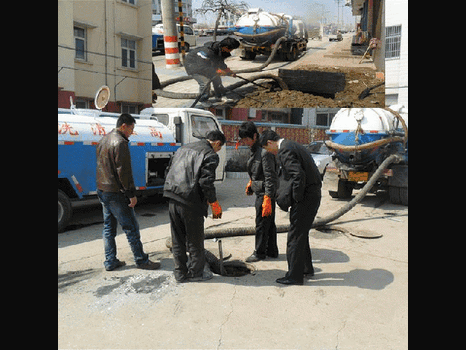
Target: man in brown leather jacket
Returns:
[[117, 193]]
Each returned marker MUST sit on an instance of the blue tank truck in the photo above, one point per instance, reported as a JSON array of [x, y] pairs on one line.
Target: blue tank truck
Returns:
[[362, 138], [158, 133], [259, 32]]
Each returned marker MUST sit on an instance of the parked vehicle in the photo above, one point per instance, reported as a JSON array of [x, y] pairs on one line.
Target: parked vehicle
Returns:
[[259, 30], [362, 138], [158, 133], [157, 37], [188, 125], [321, 154]]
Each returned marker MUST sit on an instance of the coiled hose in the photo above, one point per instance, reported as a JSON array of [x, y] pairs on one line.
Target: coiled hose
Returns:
[[179, 95], [251, 230], [240, 268]]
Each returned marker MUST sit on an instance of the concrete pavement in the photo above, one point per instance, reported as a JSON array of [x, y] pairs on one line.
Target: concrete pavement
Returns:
[[356, 300]]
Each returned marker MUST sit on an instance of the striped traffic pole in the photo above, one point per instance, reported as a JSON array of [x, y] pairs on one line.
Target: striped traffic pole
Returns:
[[170, 36], [180, 13], [172, 56]]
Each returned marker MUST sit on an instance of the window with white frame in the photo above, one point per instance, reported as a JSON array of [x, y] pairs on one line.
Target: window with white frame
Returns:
[[130, 1], [392, 41], [80, 43], [128, 53]]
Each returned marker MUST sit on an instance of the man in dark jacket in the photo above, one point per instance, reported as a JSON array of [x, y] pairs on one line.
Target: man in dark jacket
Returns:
[[263, 182], [190, 187], [299, 188], [117, 193], [207, 62]]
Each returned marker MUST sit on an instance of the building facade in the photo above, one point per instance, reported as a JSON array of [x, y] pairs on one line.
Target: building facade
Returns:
[[105, 43], [396, 52], [371, 26]]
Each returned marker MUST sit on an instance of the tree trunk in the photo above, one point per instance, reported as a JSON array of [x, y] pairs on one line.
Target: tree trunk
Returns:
[[217, 21]]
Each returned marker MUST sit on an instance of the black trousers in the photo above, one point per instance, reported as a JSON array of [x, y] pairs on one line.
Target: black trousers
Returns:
[[187, 231], [202, 80], [266, 231], [298, 251]]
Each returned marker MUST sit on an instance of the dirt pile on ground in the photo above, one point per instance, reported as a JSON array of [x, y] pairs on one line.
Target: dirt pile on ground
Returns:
[[357, 79]]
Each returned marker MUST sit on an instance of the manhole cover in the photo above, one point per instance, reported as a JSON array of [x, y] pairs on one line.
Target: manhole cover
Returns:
[[366, 234]]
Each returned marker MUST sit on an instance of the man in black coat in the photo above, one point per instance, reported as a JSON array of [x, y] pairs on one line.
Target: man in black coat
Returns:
[[299, 188], [190, 187], [263, 182], [207, 62]]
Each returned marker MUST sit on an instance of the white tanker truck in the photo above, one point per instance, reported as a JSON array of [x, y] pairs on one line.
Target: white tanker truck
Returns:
[[362, 138], [158, 133], [259, 31]]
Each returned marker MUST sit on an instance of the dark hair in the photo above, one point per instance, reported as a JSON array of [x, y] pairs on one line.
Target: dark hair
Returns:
[[248, 129], [231, 43], [268, 135], [216, 135], [125, 118]]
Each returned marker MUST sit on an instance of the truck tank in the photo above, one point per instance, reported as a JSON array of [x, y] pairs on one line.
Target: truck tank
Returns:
[[258, 26], [362, 139], [375, 131], [78, 136]]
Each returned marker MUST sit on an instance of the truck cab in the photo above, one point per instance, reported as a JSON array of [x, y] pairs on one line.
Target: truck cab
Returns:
[[188, 125], [157, 37]]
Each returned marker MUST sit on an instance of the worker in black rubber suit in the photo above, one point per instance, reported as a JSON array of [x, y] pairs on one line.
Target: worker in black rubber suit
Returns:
[[263, 182], [299, 188], [189, 185], [207, 62]]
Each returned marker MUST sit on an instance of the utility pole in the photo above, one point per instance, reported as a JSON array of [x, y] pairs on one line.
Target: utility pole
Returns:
[[170, 36], [338, 13]]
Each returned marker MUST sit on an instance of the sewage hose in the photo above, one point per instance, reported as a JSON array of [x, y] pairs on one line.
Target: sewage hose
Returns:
[[179, 95], [251, 230]]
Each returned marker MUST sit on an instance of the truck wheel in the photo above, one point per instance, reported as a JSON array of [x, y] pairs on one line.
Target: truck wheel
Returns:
[[64, 210], [404, 195], [248, 55], [345, 189], [293, 55], [394, 194]]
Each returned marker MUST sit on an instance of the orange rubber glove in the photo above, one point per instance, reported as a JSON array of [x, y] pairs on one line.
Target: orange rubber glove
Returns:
[[216, 210], [222, 72], [248, 190], [266, 206]]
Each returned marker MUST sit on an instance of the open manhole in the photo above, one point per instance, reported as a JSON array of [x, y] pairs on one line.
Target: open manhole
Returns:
[[237, 268], [327, 232], [330, 229], [234, 268]]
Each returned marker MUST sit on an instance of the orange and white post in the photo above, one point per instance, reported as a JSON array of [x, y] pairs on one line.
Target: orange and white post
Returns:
[[172, 55]]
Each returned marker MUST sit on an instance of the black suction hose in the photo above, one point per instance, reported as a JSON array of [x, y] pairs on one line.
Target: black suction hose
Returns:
[[178, 95], [251, 230]]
